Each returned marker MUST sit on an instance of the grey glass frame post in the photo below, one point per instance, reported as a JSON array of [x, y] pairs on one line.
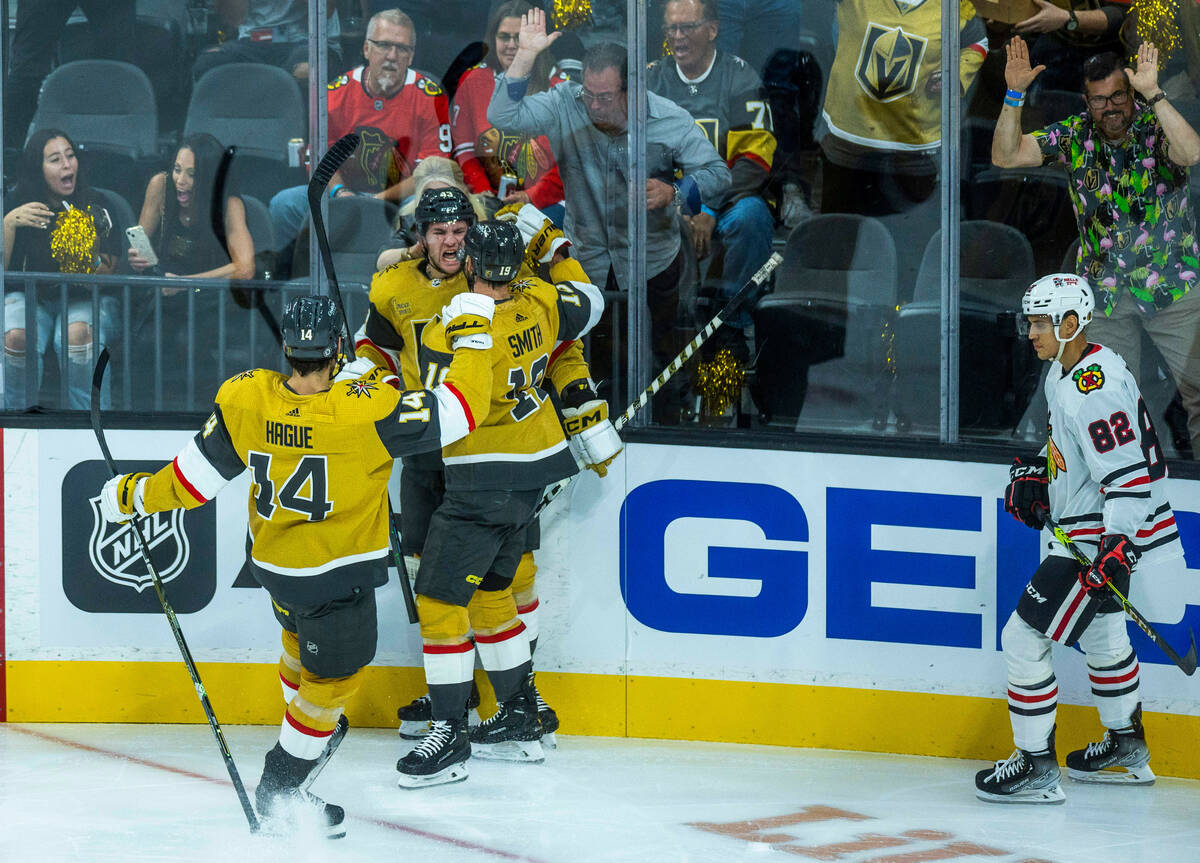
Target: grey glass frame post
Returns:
[[951, 160], [318, 124], [637, 314]]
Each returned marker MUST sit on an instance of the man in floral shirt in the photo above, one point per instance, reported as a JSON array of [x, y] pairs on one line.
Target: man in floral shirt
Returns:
[[1127, 160]]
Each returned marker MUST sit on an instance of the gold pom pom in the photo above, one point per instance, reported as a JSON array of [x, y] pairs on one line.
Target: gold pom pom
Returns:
[[719, 382], [569, 14], [1157, 22], [73, 241]]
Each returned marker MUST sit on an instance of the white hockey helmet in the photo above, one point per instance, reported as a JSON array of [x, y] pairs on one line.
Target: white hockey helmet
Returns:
[[1055, 295]]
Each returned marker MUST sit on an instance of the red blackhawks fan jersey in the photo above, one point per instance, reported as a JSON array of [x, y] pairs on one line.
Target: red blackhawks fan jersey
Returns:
[[1106, 468], [497, 161], [397, 132]]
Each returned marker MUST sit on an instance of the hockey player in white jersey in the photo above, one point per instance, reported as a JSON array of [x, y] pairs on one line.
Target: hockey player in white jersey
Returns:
[[1100, 478]]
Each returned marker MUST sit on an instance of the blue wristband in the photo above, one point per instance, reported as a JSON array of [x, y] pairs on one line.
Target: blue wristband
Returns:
[[333, 192], [708, 211], [1014, 94]]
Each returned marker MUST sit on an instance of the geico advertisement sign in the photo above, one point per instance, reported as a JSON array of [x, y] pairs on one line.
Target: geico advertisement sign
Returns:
[[734, 558]]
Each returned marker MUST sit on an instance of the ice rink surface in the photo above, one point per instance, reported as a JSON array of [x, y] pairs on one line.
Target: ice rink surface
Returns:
[[132, 793]]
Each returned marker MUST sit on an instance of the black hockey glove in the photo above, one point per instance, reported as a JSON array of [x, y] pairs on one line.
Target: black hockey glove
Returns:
[[1027, 498], [1114, 561]]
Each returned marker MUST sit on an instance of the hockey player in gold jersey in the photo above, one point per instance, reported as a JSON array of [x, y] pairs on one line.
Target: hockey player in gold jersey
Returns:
[[404, 298], [492, 485], [320, 449]]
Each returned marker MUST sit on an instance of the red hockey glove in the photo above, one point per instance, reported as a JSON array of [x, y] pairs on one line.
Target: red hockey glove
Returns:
[[1027, 498], [1114, 560]]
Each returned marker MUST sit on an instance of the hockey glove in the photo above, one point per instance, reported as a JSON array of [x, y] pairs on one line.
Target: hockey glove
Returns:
[[1027, 498], [593, 440], [468, 320], [1114, 561], [122, 496], [541, 238], [356, 369]]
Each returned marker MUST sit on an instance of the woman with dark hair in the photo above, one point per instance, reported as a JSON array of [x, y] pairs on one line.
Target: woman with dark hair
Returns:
[[515, 169], [177, 217], [56, 224]]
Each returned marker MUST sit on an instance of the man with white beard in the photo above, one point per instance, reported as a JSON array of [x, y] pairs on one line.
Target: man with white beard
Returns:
[[401, 114]]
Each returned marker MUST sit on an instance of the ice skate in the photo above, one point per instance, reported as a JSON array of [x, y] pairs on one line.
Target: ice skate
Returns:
[[440, 757], [548, 719], [1120, 758], [284, 807], [416, 715], [513, 732], [1022, 778]]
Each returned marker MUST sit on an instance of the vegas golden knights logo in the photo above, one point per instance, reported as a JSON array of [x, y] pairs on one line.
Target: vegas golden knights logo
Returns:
[[889, 62]]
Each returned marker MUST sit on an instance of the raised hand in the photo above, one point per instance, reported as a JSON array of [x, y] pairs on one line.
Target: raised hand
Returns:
[[1017, 72], [1144, 79], [534, 39]]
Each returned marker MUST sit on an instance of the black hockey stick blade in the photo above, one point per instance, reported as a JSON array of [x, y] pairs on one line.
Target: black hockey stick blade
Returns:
[[410, 603], [160, 591], [1187, 664], [333, 159]]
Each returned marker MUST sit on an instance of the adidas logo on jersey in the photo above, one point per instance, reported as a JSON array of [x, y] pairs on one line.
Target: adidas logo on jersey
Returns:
[[521, 317], [294, 412]]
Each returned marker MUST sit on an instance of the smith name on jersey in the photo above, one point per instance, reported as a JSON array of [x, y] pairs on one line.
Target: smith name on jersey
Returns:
[[1106, 468], [316, 527], [520, 443]]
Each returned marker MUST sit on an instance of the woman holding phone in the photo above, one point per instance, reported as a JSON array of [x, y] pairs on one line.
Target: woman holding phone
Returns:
[[56, 224], [177, 218]]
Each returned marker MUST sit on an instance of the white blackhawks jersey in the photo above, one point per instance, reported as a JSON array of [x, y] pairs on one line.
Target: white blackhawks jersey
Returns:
[[1105, 464]]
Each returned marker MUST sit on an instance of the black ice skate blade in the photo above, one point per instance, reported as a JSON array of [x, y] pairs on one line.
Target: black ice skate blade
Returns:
[[1052, 796], [445, 776], [520, 751], [1135, 776], [285, 827]]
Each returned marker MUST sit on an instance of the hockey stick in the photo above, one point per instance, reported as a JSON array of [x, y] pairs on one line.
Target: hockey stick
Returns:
[[745, 292], [234, 776], [333, 159], [217, 215], [1187, 664]]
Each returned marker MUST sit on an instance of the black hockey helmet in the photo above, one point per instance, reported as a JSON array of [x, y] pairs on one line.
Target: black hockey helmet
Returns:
[[311, 328], [443, 205], [495, 249]]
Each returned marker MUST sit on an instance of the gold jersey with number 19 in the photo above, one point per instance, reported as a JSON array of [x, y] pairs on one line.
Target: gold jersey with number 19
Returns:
[[520, 443]]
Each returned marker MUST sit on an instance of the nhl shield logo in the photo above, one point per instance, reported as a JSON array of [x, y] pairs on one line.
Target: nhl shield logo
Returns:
[[116, 553], [889, 62]]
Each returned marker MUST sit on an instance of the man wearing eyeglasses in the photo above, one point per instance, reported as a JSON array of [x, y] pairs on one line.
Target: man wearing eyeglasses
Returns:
[[401, 114], [725, 97], [586, 127], [1127, 157]]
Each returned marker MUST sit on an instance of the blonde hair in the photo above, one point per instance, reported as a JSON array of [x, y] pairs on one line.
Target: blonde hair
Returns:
[[439, 169]]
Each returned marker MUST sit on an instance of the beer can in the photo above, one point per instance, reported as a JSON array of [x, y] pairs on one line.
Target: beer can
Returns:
[[295, 148]]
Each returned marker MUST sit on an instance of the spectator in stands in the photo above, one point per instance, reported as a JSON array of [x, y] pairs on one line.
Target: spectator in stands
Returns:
[[434, 172], [1127, 160], [401, 114], [725, 97], [586, 126], [177, 217], [274, 32], [1063, 38], [56, 224], [511, 169], [39, 27], [883, 114], [756, 29]]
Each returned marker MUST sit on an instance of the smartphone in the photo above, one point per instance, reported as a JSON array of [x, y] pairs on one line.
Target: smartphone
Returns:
[[141, 243]]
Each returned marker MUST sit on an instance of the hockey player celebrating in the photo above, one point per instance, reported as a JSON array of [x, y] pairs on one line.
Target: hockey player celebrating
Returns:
[[403, 299], [1100, 478], [320, 451], [476, 535]]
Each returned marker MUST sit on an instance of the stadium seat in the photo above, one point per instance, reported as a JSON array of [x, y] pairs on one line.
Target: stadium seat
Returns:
[[820, 333], [1032, 200], [256, 108], [357, 226], [995, 267], [108, 109]]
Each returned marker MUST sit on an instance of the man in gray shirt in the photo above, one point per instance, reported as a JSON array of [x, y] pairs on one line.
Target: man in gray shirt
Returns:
[[586, 126]]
